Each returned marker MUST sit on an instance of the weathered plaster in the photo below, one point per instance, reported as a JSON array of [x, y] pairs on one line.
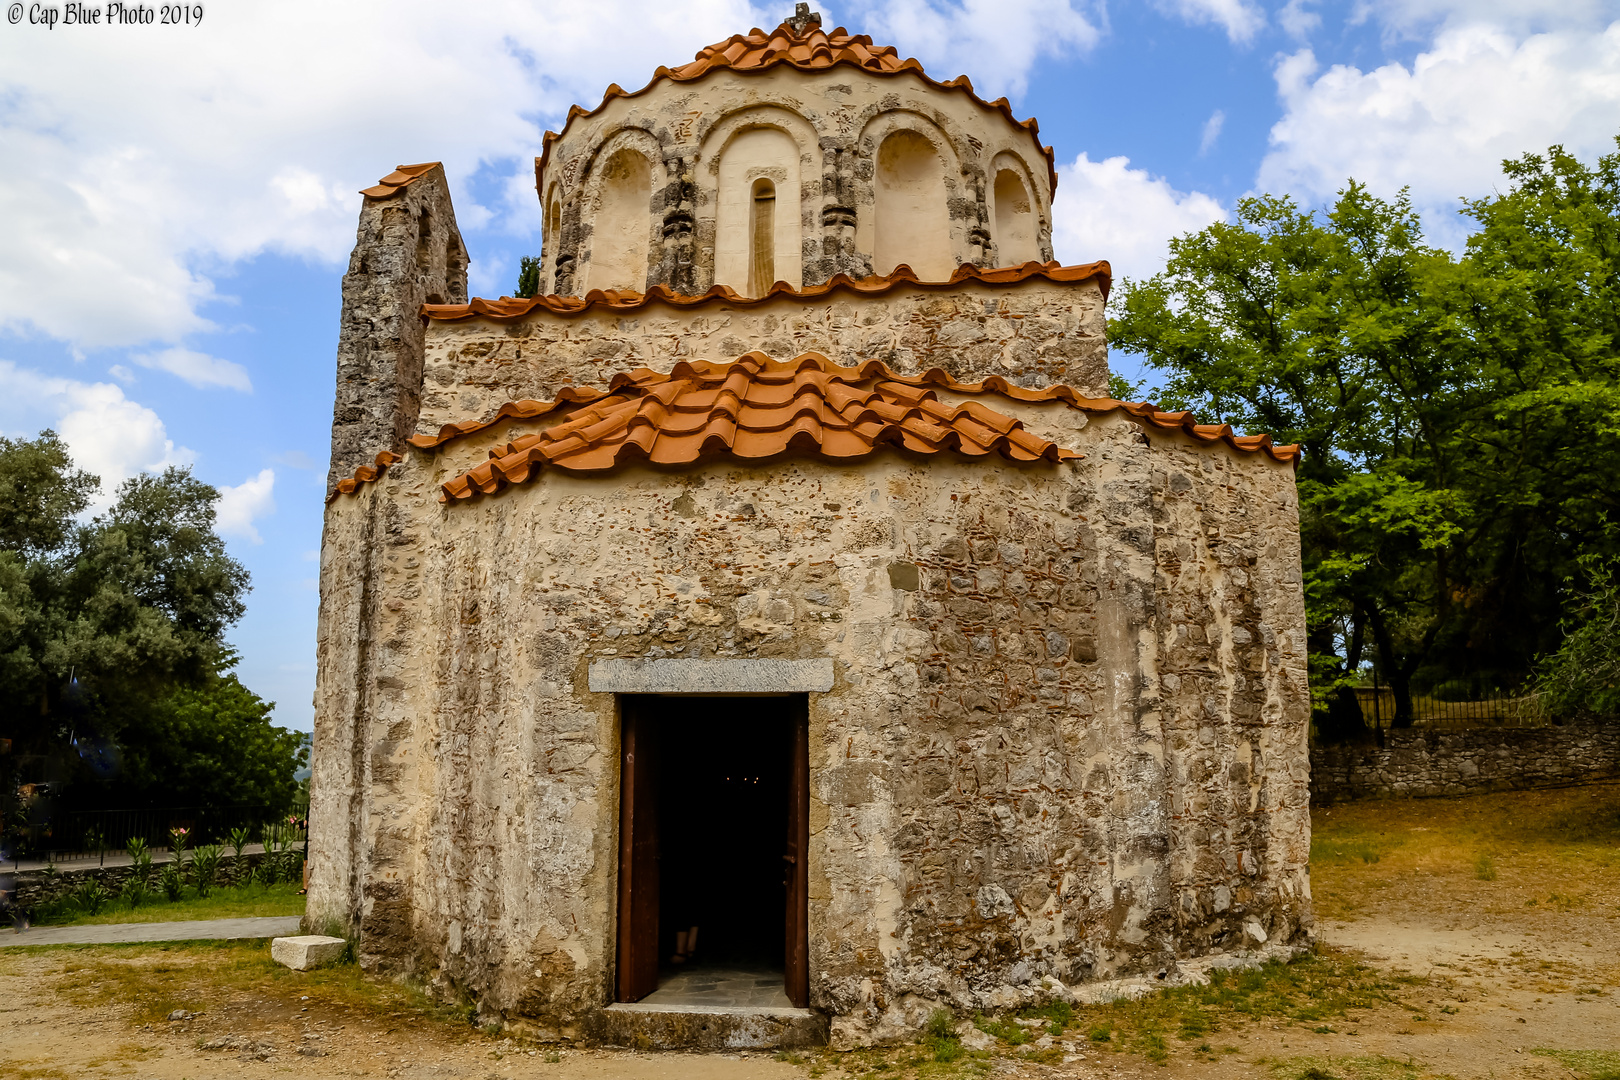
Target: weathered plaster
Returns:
[[1066, 735]]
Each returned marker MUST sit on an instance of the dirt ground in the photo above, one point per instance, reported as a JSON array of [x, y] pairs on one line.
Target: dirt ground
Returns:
[[1478, 937]]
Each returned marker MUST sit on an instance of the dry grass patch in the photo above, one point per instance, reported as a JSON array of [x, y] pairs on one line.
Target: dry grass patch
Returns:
[[1509, 852], [1586, 1064], [1350, 1067], [1325, 988], [157, 979]]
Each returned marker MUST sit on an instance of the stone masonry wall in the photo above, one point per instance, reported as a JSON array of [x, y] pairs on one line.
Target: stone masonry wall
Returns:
[[36, 888], [1418, 763], [1035, 334], [407, 252], [1066, 739]]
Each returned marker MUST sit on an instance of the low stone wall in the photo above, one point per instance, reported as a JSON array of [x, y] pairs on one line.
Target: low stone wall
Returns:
[[1421, 763], [36, 888]]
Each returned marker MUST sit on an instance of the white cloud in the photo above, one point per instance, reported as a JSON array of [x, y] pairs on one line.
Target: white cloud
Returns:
[[107, 434], [141, 162], [1212, 132], [198, 369], [239, 506], [1108, 210], [1408, 18], [995, 42], [1240, 20], [1443, 125], [1297, 19]]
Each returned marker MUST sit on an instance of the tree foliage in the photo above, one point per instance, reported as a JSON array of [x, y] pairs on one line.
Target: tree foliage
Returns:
[[1456, 412], [112, 653], [528, 282]]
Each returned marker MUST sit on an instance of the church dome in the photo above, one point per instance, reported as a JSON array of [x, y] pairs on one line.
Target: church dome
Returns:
[[789, 156]]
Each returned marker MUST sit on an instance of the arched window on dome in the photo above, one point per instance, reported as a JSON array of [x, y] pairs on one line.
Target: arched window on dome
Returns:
[[621, 224], [759, 237], [1015, 220], [762, 238], [913, 224], [550, 241]]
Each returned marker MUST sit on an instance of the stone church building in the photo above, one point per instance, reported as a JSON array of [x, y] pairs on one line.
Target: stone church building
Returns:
[[772, 631]]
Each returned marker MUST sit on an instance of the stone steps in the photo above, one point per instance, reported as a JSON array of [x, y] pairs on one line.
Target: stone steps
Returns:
[[642, 1026]]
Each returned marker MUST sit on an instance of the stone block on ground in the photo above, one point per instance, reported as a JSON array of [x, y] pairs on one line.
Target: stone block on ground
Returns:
[[306, 952]]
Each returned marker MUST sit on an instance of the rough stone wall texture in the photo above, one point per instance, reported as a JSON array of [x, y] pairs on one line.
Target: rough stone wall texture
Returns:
[[1036, 334], [838, 120], [35, 889], [407, 252], [1416, 763], [1066, 740]]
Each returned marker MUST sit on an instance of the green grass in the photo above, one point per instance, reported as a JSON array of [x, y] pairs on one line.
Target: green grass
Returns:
[[159, 978], [1352, 1067], [1325, 985], [1588, 1064], [245, 902]]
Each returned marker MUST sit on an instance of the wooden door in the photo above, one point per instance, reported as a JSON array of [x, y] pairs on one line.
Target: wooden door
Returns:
[[797, 961], [638, 852]]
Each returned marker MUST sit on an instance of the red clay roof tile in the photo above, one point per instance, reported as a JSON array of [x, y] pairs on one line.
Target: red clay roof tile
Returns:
[[398, 179], [811, 50], [756, 408], [508, 309]]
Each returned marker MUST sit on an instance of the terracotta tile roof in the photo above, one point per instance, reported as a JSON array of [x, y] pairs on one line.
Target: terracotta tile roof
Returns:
[[365, 474], [509, 308], [811, 50], [756, 408], [399, 178]]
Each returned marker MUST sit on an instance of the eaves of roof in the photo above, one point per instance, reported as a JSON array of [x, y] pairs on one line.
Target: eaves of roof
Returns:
[[756, 409], [396, 181], [509, 309], [813, 50]]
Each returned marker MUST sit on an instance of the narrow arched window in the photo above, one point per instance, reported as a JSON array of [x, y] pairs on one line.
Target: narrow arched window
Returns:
[[550, 240], [1015, 223], [762, 238]]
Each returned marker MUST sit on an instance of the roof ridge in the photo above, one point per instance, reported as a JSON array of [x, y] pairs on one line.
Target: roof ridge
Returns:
[[1013, 441], [509, 308], [843, 48]]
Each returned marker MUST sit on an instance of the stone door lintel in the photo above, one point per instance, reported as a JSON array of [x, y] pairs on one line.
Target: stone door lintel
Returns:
[[676, 675]]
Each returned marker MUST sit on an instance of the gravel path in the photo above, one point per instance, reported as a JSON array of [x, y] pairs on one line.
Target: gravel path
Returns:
[[118, 933]]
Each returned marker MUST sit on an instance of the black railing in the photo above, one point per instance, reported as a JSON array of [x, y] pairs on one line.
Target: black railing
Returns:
[[95, 834], [1486, 710]]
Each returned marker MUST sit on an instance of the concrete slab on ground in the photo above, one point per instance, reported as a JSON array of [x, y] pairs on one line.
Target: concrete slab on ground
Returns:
[[123, 933]]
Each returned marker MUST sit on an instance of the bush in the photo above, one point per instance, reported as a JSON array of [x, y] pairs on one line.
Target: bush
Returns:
[[1582, 678], [205, 868], [172, 881], [91, 896]]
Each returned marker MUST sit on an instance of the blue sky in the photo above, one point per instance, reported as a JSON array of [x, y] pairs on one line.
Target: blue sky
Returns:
[[180, 201]]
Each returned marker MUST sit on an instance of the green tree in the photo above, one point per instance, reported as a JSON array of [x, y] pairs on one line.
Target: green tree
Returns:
[[106, 627], [1455, 412], [528, 277]]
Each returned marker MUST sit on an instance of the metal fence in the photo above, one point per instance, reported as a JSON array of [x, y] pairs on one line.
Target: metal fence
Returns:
[[1490, 710], [93, 834]]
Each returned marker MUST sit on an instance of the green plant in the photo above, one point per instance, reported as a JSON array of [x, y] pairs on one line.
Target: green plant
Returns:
[[205, 868], [178, 838], [172, 881], [939, 1036], [239, 840], [134, 891], [1099, 1034], [1485, 868], [91, 896]]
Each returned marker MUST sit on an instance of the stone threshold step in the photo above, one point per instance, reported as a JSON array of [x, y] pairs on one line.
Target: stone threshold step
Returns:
[[706, 1027]]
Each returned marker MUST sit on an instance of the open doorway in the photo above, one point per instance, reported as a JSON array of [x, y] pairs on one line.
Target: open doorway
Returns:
[[713, 826]]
